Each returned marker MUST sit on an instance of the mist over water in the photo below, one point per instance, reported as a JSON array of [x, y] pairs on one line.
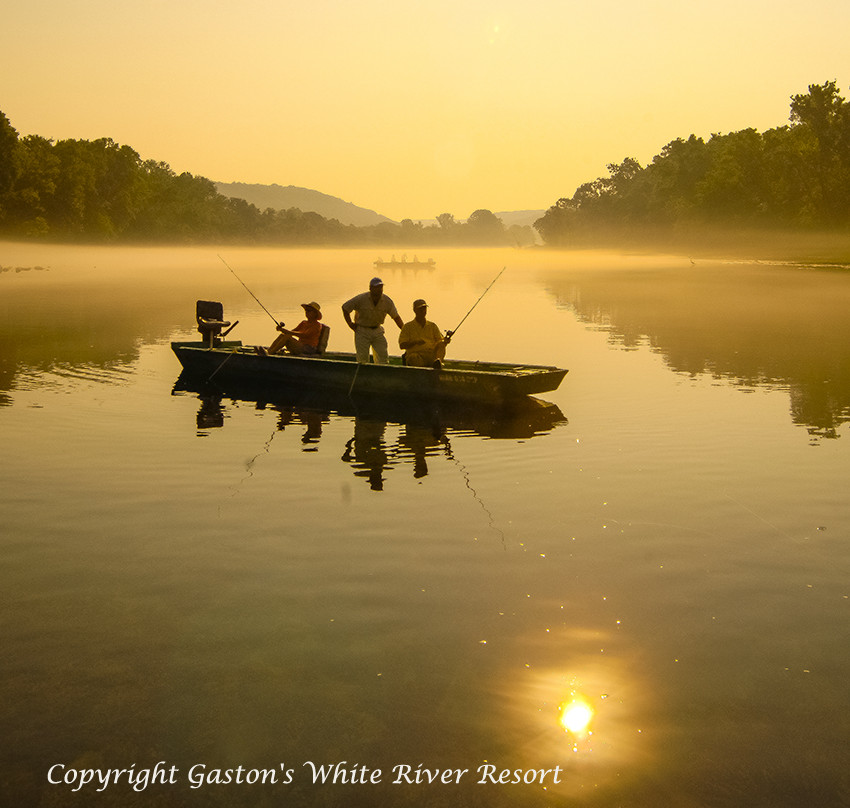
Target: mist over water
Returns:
[[201, 576]]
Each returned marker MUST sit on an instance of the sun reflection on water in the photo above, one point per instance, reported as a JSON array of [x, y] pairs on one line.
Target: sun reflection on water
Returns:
[[576, 716], [587, 715]]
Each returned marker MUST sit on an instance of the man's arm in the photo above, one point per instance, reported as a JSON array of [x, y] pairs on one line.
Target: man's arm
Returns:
[[390, 309], [347, 317], [406, 341], [301, 329]]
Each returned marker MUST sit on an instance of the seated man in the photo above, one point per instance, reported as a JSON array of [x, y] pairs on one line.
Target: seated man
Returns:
[[422, 341], [303, 339]]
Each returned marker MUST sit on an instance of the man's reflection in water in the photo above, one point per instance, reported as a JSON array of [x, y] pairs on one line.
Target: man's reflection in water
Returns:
[[210, 414], [420, 441], [421, 435], [367, 453], [312, 419]]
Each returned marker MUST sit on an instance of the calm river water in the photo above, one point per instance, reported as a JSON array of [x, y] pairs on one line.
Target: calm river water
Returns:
[[207, 582]]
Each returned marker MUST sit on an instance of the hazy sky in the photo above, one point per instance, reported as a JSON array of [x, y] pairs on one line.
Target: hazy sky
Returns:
[[412, 108]]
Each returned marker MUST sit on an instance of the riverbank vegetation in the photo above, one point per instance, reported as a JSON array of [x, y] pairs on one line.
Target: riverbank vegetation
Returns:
[[103, 192], [742, 187]]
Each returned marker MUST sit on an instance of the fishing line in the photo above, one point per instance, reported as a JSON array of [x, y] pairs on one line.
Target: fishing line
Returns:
[[454, 331], [231, 354], [276, 321], [760, 517], [249, 466], [491, 521], [350, 389]]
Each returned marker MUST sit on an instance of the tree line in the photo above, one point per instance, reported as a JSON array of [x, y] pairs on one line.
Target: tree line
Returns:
[[100, 191], [793, 176]]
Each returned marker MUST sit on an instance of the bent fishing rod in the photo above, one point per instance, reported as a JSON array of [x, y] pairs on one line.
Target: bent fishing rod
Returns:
[[454, 331], [276, 321]]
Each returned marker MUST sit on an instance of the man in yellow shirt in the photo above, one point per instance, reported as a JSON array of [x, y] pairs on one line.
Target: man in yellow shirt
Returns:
[[421, 340]]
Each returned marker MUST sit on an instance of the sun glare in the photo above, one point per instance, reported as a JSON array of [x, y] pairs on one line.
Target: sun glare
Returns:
[[576, 716]]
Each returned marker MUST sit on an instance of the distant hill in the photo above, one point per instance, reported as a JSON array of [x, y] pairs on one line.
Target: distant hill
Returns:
[[282, 197]]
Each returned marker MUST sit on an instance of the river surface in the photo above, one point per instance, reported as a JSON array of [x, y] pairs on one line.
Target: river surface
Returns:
[[206, 581]]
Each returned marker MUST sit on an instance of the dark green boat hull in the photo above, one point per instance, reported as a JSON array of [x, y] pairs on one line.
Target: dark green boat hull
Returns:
[[457, 380]]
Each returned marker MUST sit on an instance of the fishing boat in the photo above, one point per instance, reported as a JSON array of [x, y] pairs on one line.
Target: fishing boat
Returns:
[[457, 380]]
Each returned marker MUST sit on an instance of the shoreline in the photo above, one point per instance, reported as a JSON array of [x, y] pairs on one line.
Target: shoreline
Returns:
[[813, 250]]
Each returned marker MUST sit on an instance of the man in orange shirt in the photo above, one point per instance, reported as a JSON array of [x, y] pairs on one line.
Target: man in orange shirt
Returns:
[[303, 339]]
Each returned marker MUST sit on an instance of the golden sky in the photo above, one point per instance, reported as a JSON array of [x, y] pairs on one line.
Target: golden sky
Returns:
[[412, 108]]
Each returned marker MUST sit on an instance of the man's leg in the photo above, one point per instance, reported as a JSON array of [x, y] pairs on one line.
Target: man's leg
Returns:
[[279, 344], [361, 344], [379, 346], [417, 360], [296, 348]]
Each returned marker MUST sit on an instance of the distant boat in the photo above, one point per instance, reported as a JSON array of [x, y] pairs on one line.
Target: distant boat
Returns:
[[405, 264]]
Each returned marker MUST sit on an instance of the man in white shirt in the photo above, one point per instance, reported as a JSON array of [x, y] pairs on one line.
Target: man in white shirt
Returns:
[[369, 309]]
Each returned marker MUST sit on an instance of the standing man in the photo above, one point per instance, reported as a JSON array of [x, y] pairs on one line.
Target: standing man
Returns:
[[370, 308]]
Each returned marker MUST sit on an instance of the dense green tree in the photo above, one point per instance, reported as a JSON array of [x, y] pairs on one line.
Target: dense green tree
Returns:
[[733, 184], [521, 235], [98, 188], [30, 201], [483, 226], [557, 226], [823, 116], [9, 163], [675, 174]]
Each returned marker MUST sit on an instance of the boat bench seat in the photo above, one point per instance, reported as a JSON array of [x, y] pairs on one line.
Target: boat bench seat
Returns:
[[323, 339]]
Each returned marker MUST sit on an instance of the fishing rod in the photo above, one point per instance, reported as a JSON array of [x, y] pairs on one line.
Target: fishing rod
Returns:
[[276, 321], [454, 331]]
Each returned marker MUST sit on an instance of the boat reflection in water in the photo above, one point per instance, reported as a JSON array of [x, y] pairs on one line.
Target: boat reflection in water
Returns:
[[426, 426]]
